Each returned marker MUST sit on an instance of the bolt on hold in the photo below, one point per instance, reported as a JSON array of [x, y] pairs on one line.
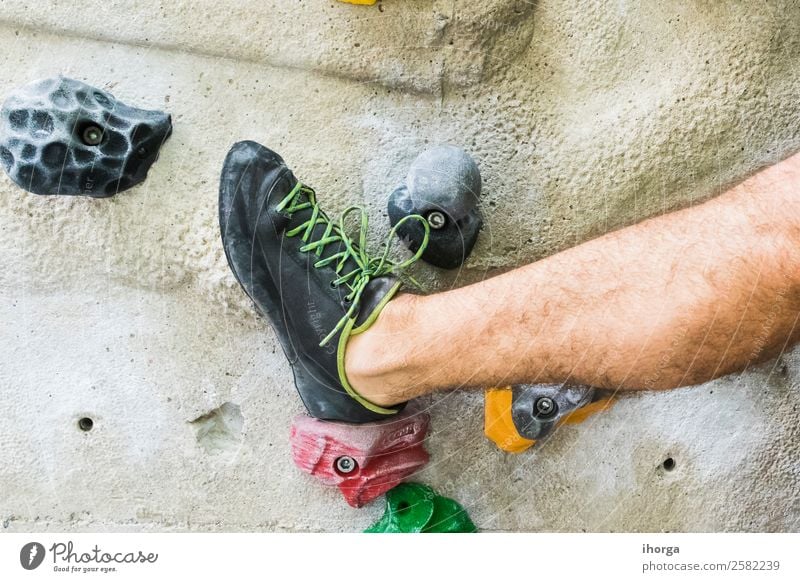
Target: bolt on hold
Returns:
[[62, 136], [442, 186], [362, 460]]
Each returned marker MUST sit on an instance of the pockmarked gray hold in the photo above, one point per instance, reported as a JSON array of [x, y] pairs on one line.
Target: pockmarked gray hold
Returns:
[[443, 186], [62, 136]]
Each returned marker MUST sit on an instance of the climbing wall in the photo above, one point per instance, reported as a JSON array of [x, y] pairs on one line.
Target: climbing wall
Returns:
[[141, 391]]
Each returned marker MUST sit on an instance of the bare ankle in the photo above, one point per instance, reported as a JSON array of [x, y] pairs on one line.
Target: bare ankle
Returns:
[[375, 360]]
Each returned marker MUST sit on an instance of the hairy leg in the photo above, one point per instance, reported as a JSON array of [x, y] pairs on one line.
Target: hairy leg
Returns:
[[675, 300]]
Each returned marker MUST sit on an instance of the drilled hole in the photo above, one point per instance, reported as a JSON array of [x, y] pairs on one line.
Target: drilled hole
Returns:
[[403, 506], [85, 424], [668, 464]]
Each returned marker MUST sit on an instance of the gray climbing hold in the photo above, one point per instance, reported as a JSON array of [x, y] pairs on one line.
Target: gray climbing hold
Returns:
[[443, 186], [536, 409], [61, 136]]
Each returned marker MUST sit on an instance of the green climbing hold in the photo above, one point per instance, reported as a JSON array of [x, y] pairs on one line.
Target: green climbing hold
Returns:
[[416, 508]]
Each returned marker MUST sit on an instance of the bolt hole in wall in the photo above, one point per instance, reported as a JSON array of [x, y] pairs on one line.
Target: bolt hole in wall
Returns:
[[668, 464], [85, 424]]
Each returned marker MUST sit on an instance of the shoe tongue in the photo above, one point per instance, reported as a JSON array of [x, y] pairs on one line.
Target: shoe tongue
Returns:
[[372, 295]]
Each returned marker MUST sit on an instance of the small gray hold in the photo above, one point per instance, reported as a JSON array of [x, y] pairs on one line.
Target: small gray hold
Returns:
[[536, 409], [443, 186], [61, 136]]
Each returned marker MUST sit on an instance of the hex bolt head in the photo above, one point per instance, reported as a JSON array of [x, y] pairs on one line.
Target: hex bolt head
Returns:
[[92, 135], [436, 219], [544, 407], [346, 464]]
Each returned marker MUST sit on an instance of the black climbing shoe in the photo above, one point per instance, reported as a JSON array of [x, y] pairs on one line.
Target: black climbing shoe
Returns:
[[316, 285]]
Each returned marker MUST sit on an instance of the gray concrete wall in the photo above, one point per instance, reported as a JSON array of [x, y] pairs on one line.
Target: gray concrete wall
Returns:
[[583, 118]]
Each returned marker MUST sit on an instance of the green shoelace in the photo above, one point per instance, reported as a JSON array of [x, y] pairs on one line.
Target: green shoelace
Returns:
[[367, 267]]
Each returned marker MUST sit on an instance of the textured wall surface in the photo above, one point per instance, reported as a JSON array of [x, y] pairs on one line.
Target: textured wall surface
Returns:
[[582, 119]]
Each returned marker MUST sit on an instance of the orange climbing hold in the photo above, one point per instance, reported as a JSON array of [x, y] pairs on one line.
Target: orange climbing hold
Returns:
[[515, 418], [362, 2], [499, 426], [581, 414]]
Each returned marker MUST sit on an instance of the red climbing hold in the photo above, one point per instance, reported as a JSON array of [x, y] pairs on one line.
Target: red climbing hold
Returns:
[[363, 460]]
